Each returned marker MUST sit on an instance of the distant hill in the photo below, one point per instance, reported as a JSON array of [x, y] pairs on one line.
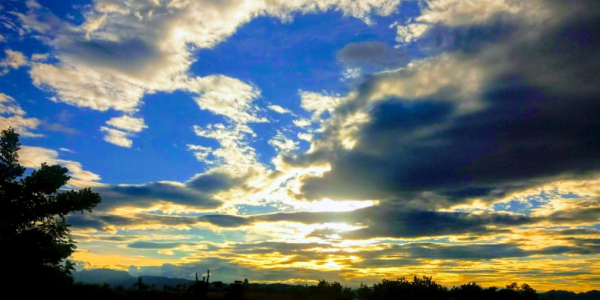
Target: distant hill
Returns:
[[565, 295], [161, 281], [115, 278], [101, 276]]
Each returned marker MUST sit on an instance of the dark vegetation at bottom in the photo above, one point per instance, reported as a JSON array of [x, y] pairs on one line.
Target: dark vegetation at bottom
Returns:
[[420, 288]]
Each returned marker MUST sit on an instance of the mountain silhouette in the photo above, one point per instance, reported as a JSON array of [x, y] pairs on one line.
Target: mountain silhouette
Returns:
[[115, 278], [101, 276]]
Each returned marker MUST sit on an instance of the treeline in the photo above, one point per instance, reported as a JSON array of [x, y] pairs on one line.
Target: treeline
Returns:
[[419, 288], [426, 288]]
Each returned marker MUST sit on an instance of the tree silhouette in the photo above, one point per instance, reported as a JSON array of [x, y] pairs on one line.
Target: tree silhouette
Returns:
[[33, 232]]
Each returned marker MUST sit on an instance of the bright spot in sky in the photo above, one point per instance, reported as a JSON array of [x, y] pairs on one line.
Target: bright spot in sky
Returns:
[[328, 205]]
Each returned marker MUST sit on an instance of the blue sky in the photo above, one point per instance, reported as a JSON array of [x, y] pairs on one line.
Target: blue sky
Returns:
[[307, 139]]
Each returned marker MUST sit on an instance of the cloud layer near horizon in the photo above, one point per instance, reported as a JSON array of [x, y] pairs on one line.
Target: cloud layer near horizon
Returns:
[[464, 139]]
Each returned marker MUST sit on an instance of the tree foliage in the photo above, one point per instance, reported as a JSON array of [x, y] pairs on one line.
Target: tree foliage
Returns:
[[426, 288], [33, 231]]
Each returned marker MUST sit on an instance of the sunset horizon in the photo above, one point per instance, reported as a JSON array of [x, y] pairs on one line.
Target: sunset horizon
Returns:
[[306, 140]]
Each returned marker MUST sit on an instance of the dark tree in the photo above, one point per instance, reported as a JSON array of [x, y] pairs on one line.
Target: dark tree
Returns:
[[33, 231]]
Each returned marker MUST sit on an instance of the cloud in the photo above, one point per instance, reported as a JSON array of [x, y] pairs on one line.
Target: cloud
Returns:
[[280, 110], [128, 123], [213, 182], [9, 106], [319, 103], [235, 155], [127, 50], [200, 152], [226, 96], [127, 126], [57, 127], [112, 222], [389, 222], [197, 193], [40, 57], [83, 87], [33, 157], [117, 137], [454, 13], [372, 54], [282, 143], [305, 136], [152, 245], [580, 231], [447, 130], [225, 220], [13, 60], [302, 122], [351, 73], [11, 115], [430, 77], [147, 195]]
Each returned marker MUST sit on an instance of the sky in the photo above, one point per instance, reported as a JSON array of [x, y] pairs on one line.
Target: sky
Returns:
[[298, 140]]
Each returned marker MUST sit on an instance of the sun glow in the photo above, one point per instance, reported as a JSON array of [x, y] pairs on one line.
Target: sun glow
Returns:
[[328, 205]]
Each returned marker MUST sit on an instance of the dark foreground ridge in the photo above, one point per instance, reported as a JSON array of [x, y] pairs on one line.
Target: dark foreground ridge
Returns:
[[112, 284]]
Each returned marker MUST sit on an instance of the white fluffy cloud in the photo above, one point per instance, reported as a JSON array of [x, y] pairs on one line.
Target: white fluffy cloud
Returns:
[[319, 103], [280, 110], [117, 137], [11, 115], [87, 87], [226, 96], [235, 156], [282, 143], [302, 122], [127, 127], [467, 12], [13, 59], [33, 157], [426, 77], [128, 123], [150, 48]]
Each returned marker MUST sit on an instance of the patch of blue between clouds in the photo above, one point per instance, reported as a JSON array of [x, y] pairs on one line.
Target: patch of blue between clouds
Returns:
[[283, 58], [531, 202]]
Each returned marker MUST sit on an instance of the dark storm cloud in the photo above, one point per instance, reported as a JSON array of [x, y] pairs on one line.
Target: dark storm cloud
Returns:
[[579, 247], [581, 231], [106, 238], [372, 54], [388, 221], [103, 221], [469, 252], [225, 220], [416, 251], [469, 39], [539, 123], [195, 193], [578, 215], [213, 182], [413, 224], [377, 222]]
